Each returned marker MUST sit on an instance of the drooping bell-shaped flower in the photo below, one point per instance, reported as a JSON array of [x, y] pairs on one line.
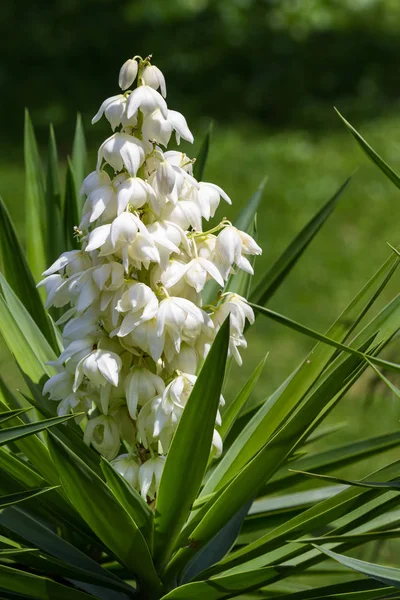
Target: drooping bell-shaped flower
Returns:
[[140, 386], [153, 77], [128, 467], [150, 476], [102, 432], [147, 100]]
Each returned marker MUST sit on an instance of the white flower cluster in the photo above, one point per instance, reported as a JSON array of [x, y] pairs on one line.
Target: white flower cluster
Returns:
[[136, 332]]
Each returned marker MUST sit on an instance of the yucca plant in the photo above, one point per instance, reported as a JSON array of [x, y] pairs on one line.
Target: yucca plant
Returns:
[[105, 494]]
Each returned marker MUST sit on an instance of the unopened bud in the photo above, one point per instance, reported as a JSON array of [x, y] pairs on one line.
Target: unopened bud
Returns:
[[127, 74]]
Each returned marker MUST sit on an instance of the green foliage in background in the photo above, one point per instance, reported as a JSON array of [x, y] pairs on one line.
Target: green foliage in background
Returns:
[[261, 54], [236, 527]]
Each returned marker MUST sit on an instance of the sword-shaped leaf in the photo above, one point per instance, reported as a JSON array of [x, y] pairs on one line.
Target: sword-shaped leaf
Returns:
[[190, 449]]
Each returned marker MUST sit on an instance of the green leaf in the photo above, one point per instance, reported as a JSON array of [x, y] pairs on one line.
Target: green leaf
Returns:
[[17, 345], [250, 479], [71, 212], [79, 155], [128, 497], [292, 500], [54, 228], [39, 588], [225, 587], [10, 414], [275, 276], [201, 159], [332, 459], [35, 203], [21, 496], [386, 485], [359, 589], [20, 431], [246, 216], [93, 499], [235, 407], [190, 448], [218, 547], [28, 327], [387, 575], [302, 329], [280, 405], [34, 531], [31, 446], [361, 538], [345, 505], [18, 274], [372, 155], [52, 567]]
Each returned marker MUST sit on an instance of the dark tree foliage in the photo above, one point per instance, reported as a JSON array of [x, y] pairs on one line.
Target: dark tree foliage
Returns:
[[283, 63]]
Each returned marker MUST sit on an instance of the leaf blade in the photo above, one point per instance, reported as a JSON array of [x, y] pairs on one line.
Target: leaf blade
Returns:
[[274, 277], [198, 417]]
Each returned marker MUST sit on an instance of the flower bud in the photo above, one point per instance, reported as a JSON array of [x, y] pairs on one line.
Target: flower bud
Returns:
[[127, 74]]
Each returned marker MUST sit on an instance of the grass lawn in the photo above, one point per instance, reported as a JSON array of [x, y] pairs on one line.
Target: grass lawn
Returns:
[[303, 172]]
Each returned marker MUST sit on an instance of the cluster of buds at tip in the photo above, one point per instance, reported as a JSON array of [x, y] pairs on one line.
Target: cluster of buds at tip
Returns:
[[136, 331]]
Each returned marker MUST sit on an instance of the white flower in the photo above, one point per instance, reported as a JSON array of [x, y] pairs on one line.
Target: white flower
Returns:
[[80, 326], [128, 467], [180, 126], [196, 272], [140, 303], [172, 315], [72, 262], [113, 108], [153, 77], [136, 192], [236, 341], [122, 150], [156, 128], [239, 310], [102, 432], [127, 74], [83, 290], [140, 386], [150, 476], [209, 196], [74, 403], [187, 360], [57, 290], [120, 237], [167, 237], [98, 237], [136, 333], [230, 246], [145, 336], [59, 386], [102, 368], [94, 180], [217, 443], [109, 277], [147, 100], [98, 201], [169, 409], [75, 351]]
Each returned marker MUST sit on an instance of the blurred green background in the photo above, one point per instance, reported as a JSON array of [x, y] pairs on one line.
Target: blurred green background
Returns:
[[268, 72]]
